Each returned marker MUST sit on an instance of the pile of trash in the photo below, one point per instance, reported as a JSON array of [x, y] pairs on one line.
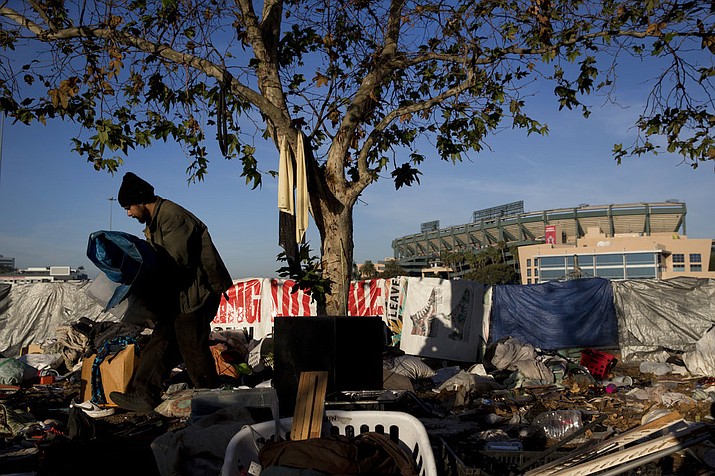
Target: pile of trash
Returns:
[[520, 409], [553, 405]]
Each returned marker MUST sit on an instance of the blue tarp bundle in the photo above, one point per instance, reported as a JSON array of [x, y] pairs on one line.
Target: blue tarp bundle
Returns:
[[556, 315], [123, 257]]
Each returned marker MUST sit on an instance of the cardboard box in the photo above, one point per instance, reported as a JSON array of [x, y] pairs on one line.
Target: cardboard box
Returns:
[[116, 370], [32, 349]]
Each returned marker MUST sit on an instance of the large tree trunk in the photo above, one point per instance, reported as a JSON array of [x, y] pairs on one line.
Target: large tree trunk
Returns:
[[337, 255], [332, 199]]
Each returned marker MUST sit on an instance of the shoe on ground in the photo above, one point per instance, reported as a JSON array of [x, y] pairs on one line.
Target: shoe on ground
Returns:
[[92, 410], [132, 401]]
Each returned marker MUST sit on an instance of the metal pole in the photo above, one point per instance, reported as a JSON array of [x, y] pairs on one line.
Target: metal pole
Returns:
[[2, 134], [111, 205]]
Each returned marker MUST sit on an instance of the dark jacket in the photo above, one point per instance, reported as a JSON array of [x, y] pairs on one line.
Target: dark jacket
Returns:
[[193, 265]]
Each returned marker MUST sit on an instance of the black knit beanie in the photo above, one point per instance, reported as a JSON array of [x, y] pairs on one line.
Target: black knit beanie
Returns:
[[135, 190]]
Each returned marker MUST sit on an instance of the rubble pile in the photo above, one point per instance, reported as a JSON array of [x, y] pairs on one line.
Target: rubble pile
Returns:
[[518, 410]]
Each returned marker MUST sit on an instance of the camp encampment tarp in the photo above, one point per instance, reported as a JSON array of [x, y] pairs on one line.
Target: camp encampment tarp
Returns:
[[556, 315], [32, 313], [665, 314]]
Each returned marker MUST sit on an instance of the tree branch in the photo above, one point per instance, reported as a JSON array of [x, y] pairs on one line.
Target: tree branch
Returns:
[[163, 51], [363, 101], [22, 20], [260, 37], [40, 11], [399, 112]]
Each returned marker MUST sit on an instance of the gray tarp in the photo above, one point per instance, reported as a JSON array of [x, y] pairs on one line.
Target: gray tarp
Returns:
[[701, 361], [654, 315], [31, 313]]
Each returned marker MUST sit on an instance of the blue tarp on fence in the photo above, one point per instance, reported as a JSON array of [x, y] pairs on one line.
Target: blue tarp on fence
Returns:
[[556, 315]]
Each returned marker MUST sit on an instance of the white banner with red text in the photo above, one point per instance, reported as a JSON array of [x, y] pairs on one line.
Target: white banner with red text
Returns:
[[444, 318]]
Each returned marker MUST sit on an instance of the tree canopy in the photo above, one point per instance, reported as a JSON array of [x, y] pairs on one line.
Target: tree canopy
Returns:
[[392, 269], [368, 270], [361, 81], [487, 266]]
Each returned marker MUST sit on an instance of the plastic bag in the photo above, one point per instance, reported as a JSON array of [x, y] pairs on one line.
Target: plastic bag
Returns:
[[558, 424]]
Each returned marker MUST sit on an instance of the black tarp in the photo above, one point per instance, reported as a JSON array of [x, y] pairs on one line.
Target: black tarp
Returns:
[[556, 315]]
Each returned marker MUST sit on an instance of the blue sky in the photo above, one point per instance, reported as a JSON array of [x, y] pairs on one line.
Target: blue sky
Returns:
[[51, 199]]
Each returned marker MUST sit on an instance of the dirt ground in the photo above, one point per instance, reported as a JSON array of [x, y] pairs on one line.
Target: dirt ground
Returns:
[[120, 444]]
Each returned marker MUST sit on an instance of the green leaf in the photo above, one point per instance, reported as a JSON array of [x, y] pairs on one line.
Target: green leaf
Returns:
[[405, 175]]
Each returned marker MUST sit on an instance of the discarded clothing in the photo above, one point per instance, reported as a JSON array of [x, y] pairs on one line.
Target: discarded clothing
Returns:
[[367, 453]]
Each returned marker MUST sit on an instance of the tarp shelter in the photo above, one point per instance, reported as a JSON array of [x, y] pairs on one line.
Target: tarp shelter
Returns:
[[4, 291], [32, 312], [556, 315], [124, 258], [655, 315]]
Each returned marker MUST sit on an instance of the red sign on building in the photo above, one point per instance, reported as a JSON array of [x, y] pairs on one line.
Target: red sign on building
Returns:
[[550, 234]]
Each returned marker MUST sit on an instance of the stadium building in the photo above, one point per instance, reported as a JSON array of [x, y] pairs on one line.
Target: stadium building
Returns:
[[617, 241]]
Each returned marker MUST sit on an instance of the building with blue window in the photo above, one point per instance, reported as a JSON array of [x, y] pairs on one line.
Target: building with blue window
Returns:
[[622, 256]]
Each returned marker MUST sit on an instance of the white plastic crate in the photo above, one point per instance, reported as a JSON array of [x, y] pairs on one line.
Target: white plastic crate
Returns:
[[406, 430]]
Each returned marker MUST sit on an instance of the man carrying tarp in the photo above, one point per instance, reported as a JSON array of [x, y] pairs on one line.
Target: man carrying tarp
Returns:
[[191, 269]]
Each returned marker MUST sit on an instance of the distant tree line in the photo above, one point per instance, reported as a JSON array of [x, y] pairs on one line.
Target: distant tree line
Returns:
[[488, 266], [392, 269]]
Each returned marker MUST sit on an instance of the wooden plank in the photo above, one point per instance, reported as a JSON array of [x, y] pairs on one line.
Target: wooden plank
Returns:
[[309, 406], [300, 408], [301, 416], [606, 446], [321, 387]]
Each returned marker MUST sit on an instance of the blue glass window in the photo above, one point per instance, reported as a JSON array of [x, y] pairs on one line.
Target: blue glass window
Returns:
[[645, 272], [606, 260], [552, 274], [640, 258], [585, 260], [552, 262], [610, 273]]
